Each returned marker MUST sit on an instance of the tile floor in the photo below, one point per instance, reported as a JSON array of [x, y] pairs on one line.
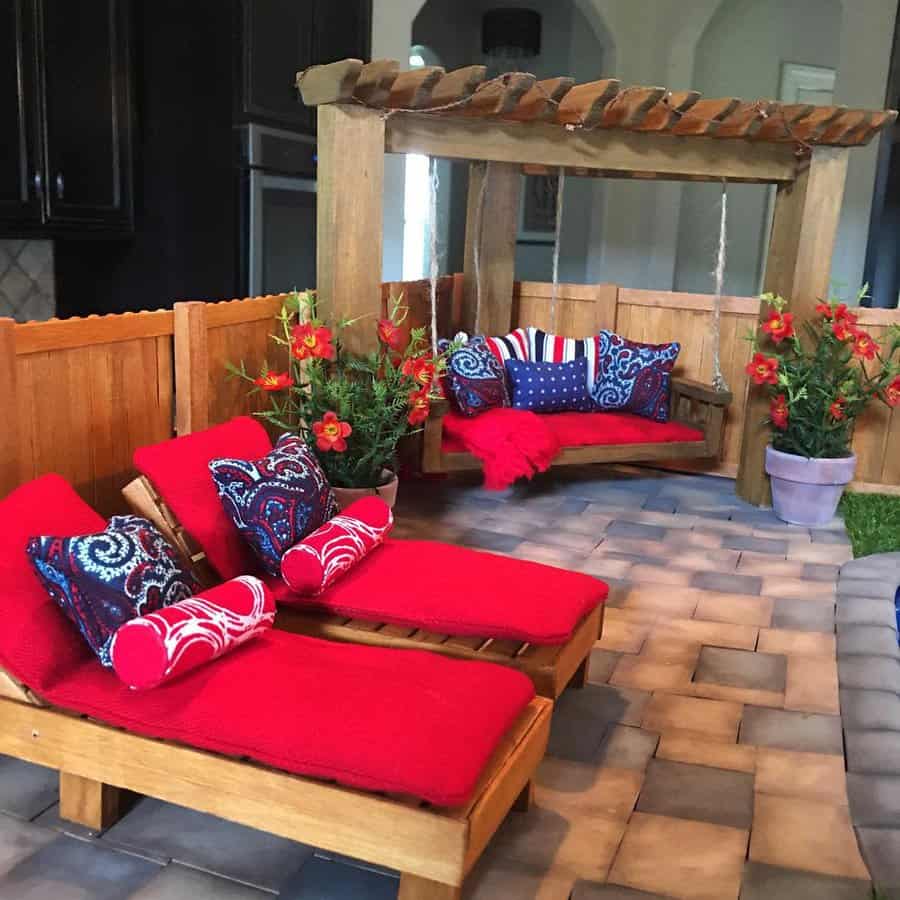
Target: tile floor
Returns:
[[704, 759]]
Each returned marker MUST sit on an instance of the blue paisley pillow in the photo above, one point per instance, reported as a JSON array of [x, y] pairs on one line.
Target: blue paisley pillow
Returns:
[[634, 377], [474, 381], [548, 387], [103, 580], [275, 501]]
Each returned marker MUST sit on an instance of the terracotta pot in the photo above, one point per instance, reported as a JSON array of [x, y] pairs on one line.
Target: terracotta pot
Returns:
[[387, 492], [807, 491]]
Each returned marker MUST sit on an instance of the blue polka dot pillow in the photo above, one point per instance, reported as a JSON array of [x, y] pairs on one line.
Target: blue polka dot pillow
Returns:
[[275, 501], [474, 381], [101, 581], [546, 387], [634, 377]]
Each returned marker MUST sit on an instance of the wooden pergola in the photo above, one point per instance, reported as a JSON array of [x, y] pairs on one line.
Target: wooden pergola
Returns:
[[519, 124]]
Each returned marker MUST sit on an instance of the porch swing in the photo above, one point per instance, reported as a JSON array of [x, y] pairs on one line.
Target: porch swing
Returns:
[[513, 124]]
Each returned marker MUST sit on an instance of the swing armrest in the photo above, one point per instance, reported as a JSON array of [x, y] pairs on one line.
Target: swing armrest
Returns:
[[433, 435], [705, 393], [439, 408]]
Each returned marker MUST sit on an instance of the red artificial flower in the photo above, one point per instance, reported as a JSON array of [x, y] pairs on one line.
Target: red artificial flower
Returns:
[[778, 412], [419, 407], [331, 433], [843, 330], [274, 381], [836, 410], [892, 392], [391, 334], [779, 325], [312, 342], [825, 310], [843, 314], [420, 369], [864, 347], [763, 369]]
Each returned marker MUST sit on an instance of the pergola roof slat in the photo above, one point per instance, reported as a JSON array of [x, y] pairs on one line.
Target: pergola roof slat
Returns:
[[517, 98]]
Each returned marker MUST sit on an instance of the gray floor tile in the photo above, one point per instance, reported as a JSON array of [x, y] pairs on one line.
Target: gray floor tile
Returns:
[[638, 530], [697, 792], [867, 640], [874, 800], [601, 665], [19, 840], [870, 709], [803, 615], [881, 851], [875, 672], [829, 536], [773, 546], [866, 611], [50, 818], [876, 588], [165, 831], [26, 790], [626, 747], [820, 572], [489, 540], [876, 752], [68, 869], [323, 879], [177, 882], [790, 730], [763, 882], [742, 669], [730, 582], [592, 890], [661, 504]]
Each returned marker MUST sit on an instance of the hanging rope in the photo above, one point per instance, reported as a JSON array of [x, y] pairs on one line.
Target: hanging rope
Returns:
[[718, 379], [434, 266], [476, 243], [560, 190]]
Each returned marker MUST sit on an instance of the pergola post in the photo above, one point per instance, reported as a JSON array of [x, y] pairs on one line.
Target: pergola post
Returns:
[[9, 409], [804, 229], [349, 225], [497, 251]]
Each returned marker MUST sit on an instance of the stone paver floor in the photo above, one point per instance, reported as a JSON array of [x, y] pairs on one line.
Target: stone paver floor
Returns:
[[703, 760]]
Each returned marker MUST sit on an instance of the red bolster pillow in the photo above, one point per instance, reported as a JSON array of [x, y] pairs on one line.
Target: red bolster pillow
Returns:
[[324, 555], [157, 647]]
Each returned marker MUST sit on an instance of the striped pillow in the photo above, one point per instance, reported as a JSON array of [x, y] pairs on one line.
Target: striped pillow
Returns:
[[514, 345], [545, 347]]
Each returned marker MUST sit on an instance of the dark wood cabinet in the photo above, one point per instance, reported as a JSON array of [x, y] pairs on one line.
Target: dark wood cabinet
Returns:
[[21, 175], [282, 37], [65, 85]]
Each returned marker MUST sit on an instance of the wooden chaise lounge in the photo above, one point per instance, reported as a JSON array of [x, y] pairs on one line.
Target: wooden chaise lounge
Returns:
[[76, 717], [551, 666]]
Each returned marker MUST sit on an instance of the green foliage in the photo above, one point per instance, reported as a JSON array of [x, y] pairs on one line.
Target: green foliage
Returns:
[[873, 522], [817, 370], [369, 392]]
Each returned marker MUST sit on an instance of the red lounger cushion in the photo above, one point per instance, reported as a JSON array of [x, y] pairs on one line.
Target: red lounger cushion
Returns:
[[579, 429], [455, 590], [179, 470], [383, 720]]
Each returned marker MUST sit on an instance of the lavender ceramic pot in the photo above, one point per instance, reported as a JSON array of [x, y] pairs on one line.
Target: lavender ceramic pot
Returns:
[[807, 491]]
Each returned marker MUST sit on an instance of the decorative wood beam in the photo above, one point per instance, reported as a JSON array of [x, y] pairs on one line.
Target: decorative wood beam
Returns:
[[457, 85], [498, 98], [332, 83], [375, 81], [628, 108], [704, 116], [540, 101], [412, 89], [668, 111], [584, 103]]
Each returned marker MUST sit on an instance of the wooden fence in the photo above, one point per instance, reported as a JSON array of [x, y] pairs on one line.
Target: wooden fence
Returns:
[[78, 396]]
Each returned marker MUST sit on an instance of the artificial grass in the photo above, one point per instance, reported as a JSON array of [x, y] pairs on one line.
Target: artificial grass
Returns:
[[872, 521]]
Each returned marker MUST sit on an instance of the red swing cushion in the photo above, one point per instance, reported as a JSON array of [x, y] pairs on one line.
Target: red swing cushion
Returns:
[[455, 590], [179, 470], [382, 720]]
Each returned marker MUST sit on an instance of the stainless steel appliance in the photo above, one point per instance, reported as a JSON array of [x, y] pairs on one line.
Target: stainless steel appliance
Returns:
[[278, 210]]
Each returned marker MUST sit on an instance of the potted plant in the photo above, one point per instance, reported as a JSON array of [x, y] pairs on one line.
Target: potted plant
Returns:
[[352, 409], [818, 387]]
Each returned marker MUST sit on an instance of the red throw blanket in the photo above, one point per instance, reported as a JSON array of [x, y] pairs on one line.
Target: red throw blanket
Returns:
[[512, 443]]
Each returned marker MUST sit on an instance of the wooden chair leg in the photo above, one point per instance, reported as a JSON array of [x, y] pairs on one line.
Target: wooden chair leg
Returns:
[[90, 803], [525, 799], [412, 887], [579, 679]]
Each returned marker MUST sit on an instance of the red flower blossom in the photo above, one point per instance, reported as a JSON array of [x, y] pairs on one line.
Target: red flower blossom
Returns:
[[892, 392], [391, 334], [778, 412], [763, 369], [843, 330], [825, 310], [779, 325], [420, 369], [836, 410], [274, 381], [331, 433], [843, 314], [312, 342], [419, 406], [864, 347]]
